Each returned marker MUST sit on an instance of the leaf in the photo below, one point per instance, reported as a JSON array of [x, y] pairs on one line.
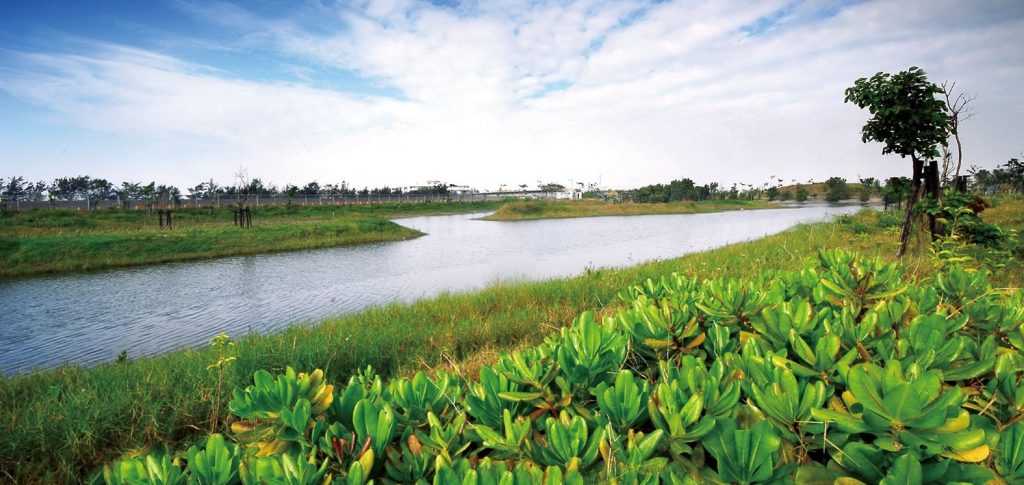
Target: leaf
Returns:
[[906, 470], [743, 455], [519, 396], [970, 456], [1009, 460]]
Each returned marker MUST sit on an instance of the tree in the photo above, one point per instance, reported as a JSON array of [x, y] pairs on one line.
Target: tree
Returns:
[[128, 192], [772, 192], [14, 189], [197, 192], [214, 190], [148, 193], [242, 192], [34, 192], [801, 193], [868, 187], [290, 190], [99, 190], [959, 111], [895, 191], [312, 188], [1011, 173], [908, 118], [836, 189]]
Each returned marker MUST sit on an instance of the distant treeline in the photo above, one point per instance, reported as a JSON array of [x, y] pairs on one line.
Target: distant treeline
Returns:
[[1006, 177], [97, 190]]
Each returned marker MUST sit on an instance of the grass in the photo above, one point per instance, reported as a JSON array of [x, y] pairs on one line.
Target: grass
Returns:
[[538, 209], [51, 241], [59, 425]]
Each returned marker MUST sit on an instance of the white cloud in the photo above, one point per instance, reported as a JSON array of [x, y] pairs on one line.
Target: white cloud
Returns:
[[506, 93]]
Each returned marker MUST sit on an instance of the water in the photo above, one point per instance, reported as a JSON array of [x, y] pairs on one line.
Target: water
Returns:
[[91, 318]]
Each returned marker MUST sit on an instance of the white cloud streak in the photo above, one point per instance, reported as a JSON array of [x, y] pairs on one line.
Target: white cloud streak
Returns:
[[505, 93]]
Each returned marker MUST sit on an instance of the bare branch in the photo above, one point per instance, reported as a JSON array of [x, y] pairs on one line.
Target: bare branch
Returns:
[[960, 110]]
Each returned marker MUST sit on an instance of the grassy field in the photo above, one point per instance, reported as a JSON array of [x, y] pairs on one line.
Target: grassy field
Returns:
[[49, 241], [59, 425], [538, 209]]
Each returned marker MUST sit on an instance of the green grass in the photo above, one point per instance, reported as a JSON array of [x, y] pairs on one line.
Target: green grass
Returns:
[[50, 241], [545, 209], [61, 424]]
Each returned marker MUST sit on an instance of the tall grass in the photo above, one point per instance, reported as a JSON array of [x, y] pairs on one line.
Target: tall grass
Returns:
[[555, 209], [59, 425]]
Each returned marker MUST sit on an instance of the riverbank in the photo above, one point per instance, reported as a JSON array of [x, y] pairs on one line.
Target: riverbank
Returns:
[[559, 209], [59, 425], [55, 241]]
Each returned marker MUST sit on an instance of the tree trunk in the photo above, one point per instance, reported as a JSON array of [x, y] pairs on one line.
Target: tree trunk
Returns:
[[908, 218], [935, 192]]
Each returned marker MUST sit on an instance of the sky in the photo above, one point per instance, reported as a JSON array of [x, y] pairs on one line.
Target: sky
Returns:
[[394, 93]]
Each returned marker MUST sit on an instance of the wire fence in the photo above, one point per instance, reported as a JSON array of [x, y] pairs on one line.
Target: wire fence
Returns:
[[265, 200]]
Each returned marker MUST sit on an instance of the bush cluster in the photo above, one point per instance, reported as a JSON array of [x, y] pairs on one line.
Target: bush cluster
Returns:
[[840, 373]]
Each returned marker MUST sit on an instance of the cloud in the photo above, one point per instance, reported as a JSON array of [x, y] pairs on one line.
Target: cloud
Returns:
[[505, 92]]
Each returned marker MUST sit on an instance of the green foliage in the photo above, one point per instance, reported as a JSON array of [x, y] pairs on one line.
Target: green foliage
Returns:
[[216, 463], [906, 115], [165, 400], [801, 193], [836, 189], [155, 469], [744, 456], [842, 372], [624, 404]]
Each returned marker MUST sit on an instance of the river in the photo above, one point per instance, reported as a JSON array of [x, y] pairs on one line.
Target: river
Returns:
[[90, 318]]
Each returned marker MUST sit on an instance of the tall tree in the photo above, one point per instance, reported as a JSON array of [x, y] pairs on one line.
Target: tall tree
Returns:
[[36, 191], [290, 190], [836, 189], [149, 194], [242, 191], [14, 189], [908, 118], [213, 190], [128, 192], [868, 186], [312, 188], [801, 193], [99, 190]]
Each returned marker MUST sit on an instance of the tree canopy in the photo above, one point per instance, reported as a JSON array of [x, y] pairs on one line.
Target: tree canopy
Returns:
[[906, 115]]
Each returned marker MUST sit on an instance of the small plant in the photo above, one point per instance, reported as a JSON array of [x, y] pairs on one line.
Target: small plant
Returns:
[[222, 344]]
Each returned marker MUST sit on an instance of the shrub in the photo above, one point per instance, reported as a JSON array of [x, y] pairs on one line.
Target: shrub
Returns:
[[840, 373]]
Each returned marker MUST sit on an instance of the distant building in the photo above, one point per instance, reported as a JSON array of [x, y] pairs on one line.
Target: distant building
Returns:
[[432, 187], [569, 194]]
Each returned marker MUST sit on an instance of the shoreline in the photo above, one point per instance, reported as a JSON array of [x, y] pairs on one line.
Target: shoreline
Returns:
[[167, 398], [62, 423], [564, 209], [59, 242]]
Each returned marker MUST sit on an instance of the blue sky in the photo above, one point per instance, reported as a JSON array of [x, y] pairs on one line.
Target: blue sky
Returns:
[[484, 93]]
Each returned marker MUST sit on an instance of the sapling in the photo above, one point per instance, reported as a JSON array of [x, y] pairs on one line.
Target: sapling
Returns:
[[222, 344]]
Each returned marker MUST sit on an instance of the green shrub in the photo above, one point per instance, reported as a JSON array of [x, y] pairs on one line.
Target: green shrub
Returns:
[[841, 373]]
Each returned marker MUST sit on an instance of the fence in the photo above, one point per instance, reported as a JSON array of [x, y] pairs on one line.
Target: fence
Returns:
[[278, 199]]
